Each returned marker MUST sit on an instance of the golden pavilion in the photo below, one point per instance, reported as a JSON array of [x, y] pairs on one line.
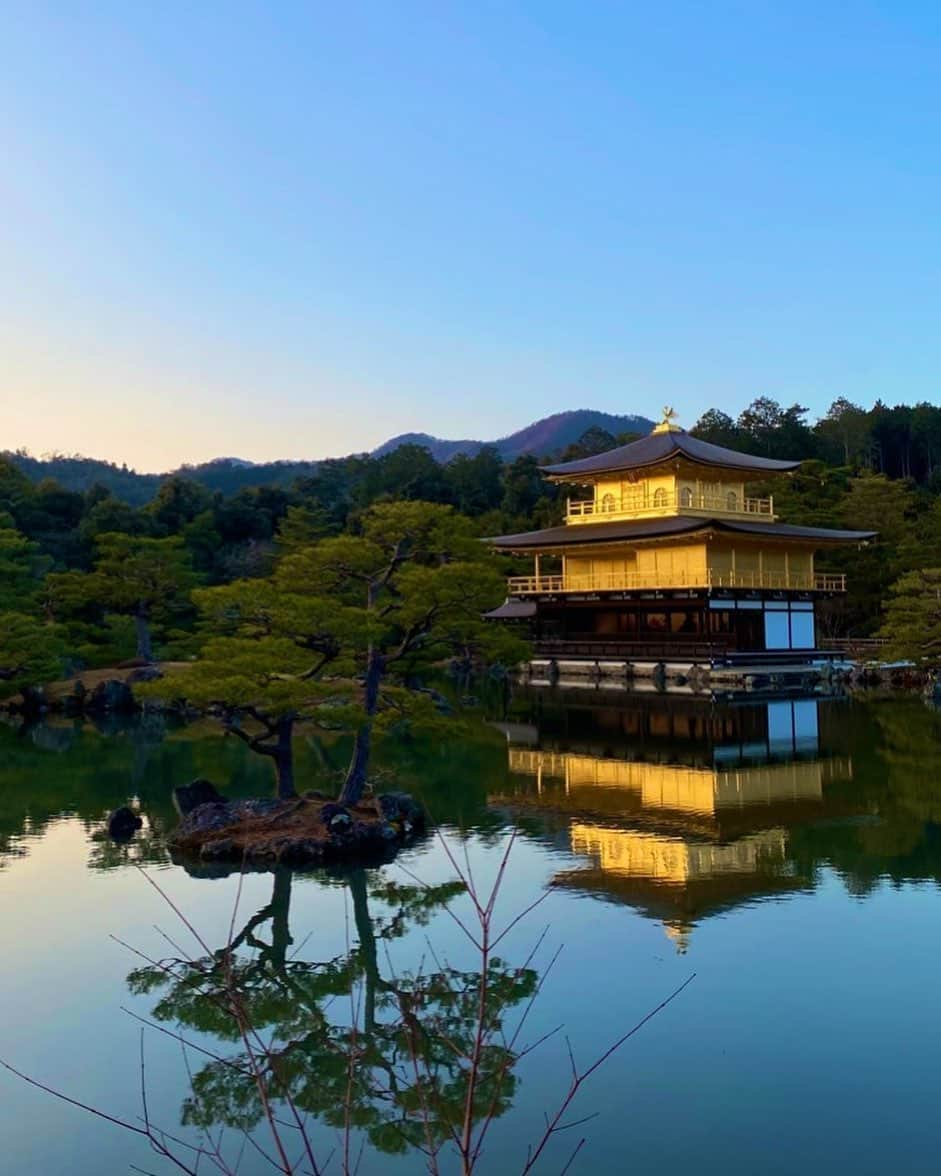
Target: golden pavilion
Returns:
[[670, 557]]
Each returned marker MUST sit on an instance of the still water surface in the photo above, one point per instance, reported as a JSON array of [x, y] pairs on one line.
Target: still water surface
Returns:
[[787, 854]]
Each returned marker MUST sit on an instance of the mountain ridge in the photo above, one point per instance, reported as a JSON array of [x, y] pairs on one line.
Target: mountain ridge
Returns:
[[543, 438]]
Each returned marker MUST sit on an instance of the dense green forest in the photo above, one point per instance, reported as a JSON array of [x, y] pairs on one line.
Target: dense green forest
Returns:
[[75, 566]]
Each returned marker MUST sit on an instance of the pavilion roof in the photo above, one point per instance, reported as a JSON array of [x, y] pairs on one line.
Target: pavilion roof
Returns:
[[661, 446], [627, 530]]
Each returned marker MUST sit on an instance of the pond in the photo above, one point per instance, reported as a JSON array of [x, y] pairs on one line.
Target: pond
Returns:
[[786, 855]]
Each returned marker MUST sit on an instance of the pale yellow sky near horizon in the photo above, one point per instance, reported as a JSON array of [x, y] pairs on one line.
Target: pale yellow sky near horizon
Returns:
[[75, 391], [71, 400], [157, 395]]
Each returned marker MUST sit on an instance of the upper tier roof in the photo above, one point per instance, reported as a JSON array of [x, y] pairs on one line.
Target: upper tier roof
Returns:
[[661, 446]]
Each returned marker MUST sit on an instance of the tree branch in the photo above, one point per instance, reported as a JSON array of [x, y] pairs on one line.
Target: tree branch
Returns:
[[255, 742], [414, 634]]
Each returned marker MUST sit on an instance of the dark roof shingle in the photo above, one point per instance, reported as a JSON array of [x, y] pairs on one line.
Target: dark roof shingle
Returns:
[[659, 447], [626, 530]]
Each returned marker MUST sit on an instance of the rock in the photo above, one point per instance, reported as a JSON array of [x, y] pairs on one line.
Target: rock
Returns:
[[368, 835], [123, 824], [32, 701], [302, 851], [222, 849], [390, 804], [265, 852], [206, 818], [336, 818], [257, 807], [402, 808], [190, 796], [111, 697]]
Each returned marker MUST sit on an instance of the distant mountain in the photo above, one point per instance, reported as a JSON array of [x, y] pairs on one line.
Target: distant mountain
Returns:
[[545, 437], [239, 462], [228, 475], [442, 451], [81, 473]]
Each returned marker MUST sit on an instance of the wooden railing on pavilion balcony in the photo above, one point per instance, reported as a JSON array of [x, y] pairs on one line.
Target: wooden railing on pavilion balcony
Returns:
[[662, 502], [639, 581]]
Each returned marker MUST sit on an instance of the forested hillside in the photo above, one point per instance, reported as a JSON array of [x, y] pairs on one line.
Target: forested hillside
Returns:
[[67, 556], [224, 475], [547, 437]]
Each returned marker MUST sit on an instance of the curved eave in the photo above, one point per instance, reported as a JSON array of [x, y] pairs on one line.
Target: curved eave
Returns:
[[821, 535], [512, 610], [589, 534], [619, 532], [658, 449]]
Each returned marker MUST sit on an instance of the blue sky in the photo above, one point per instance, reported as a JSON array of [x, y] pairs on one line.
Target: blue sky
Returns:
[[292, 230]]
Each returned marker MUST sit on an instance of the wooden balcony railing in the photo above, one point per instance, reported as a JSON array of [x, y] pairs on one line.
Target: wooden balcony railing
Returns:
[[638, 581], [663, 502]]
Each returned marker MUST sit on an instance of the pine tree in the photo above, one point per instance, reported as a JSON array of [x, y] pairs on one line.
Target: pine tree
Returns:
[[913, 616], [338, 633]]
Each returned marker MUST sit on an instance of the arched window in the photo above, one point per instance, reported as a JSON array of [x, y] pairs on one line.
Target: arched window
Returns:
[[660, 497], [608, 504], [731, 500], [686, 496]]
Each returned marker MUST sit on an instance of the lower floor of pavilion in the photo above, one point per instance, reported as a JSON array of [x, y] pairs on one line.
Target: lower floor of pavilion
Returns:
[[668, 626]]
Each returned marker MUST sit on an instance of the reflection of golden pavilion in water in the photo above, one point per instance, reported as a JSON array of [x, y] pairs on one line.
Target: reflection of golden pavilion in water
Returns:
[[679, 840]]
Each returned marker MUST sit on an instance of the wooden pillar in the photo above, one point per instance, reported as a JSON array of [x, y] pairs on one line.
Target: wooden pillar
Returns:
[[537, 571]]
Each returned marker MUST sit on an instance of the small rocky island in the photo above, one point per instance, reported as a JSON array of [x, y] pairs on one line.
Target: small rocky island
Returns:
[[306, 830]]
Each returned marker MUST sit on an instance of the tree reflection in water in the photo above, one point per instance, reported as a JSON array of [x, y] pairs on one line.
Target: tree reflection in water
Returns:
[[407, 1058]]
